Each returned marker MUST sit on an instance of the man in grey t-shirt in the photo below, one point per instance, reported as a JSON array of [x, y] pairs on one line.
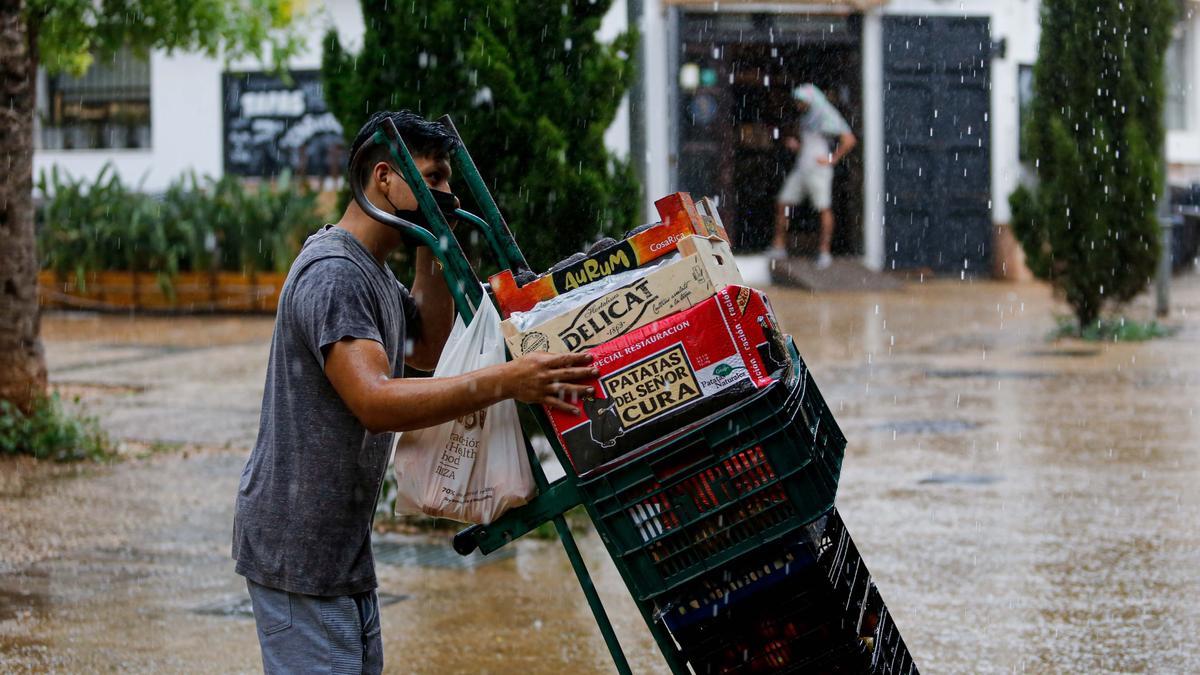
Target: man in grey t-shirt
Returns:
[[334, 396]]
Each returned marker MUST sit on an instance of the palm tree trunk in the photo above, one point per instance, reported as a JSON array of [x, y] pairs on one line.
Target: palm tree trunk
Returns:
[[22, 365]]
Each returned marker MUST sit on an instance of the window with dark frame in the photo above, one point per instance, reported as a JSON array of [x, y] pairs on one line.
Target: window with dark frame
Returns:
[[108, 107]]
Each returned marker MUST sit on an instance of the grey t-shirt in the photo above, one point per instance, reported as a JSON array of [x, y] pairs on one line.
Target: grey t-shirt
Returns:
[[308, 492]]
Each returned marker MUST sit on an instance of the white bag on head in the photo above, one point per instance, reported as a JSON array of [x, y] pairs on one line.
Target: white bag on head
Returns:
[[474, 468]]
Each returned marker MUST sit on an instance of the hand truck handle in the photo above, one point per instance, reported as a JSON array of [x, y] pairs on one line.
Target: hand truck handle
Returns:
[[494, 227], [411, 231]]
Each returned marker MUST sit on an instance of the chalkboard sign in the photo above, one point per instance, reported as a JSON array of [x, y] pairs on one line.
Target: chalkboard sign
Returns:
[[271, 126]]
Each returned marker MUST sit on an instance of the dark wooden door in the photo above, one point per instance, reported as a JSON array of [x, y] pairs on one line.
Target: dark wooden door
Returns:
[[937, 144]]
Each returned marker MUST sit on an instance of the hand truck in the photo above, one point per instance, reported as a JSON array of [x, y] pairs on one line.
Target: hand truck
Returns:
[[701, 520]]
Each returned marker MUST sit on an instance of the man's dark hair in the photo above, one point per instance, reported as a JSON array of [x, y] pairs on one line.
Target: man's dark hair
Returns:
[[423, 138]]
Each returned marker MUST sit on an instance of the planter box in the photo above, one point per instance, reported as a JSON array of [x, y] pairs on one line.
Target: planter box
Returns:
[[199, 292]]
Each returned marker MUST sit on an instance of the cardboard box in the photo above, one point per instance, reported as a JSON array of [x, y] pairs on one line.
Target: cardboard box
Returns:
[[680, 218], [706, 267], [672, 373]]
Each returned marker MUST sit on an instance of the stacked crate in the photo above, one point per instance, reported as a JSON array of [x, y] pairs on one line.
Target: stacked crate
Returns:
[[731, 535]]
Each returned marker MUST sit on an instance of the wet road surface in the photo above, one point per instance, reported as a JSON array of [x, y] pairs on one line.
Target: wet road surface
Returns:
[[1025, 506]]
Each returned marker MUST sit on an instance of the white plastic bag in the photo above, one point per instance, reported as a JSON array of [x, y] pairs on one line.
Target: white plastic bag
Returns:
[[474, 468]]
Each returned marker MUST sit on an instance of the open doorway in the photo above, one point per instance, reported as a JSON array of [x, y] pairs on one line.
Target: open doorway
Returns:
[[736, 75]]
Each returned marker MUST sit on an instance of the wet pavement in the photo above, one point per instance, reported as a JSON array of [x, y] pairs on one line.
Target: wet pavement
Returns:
[[1024, 505]]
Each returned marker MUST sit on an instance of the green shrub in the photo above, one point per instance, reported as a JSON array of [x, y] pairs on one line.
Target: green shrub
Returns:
[[82, 225], [1095, 132], [263, 228], [1111, 329], [195, 225], [49, 431], [195, 211]]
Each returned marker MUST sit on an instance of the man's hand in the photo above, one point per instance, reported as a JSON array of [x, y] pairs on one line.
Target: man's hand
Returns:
[[545, 378], [792, 144]]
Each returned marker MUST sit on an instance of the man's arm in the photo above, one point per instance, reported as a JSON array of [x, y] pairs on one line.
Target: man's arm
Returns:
[[436, 309], [846, 143], [358, 370]]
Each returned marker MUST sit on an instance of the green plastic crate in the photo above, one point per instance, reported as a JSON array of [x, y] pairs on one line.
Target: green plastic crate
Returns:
[[757, 473]]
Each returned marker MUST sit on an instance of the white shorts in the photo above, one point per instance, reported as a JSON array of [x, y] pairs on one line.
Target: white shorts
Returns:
[[814, 185]]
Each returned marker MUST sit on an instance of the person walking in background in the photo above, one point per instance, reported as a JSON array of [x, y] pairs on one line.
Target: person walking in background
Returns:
[[811, 178]]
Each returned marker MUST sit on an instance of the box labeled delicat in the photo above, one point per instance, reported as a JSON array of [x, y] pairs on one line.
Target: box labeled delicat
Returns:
[[671, 373], [680, 217], [589, 316]]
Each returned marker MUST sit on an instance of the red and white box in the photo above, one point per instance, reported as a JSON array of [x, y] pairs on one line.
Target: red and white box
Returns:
[[672, 373]]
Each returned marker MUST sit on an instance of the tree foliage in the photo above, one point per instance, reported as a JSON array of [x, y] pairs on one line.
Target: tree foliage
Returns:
[[531, 90], [69, 34], [1095, 134]]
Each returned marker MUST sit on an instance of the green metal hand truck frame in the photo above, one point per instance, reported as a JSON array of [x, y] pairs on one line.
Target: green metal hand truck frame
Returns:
[[810, 484]]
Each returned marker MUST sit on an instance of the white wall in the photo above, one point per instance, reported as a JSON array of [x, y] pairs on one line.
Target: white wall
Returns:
[[185, 99], [186, 114], [616, 139], [872, 142], [656, 80], [1183, 146], [1015, 20]]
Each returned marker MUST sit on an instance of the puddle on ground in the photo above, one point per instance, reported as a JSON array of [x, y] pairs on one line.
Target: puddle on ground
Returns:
[[1040, 526], [930, 427], [1067, 353], [15, 604], [960, 479], [968, 373], [411, 551]]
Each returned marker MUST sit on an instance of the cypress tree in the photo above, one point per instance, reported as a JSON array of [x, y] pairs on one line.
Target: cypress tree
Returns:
[[530, 89], [1095, 133]]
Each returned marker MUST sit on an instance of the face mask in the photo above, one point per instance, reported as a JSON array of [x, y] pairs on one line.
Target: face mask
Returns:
[[446, 202]]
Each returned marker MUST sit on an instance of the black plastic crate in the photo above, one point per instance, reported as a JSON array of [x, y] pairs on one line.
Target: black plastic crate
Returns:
[[758, 473], [713, 595], [805, 606]]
